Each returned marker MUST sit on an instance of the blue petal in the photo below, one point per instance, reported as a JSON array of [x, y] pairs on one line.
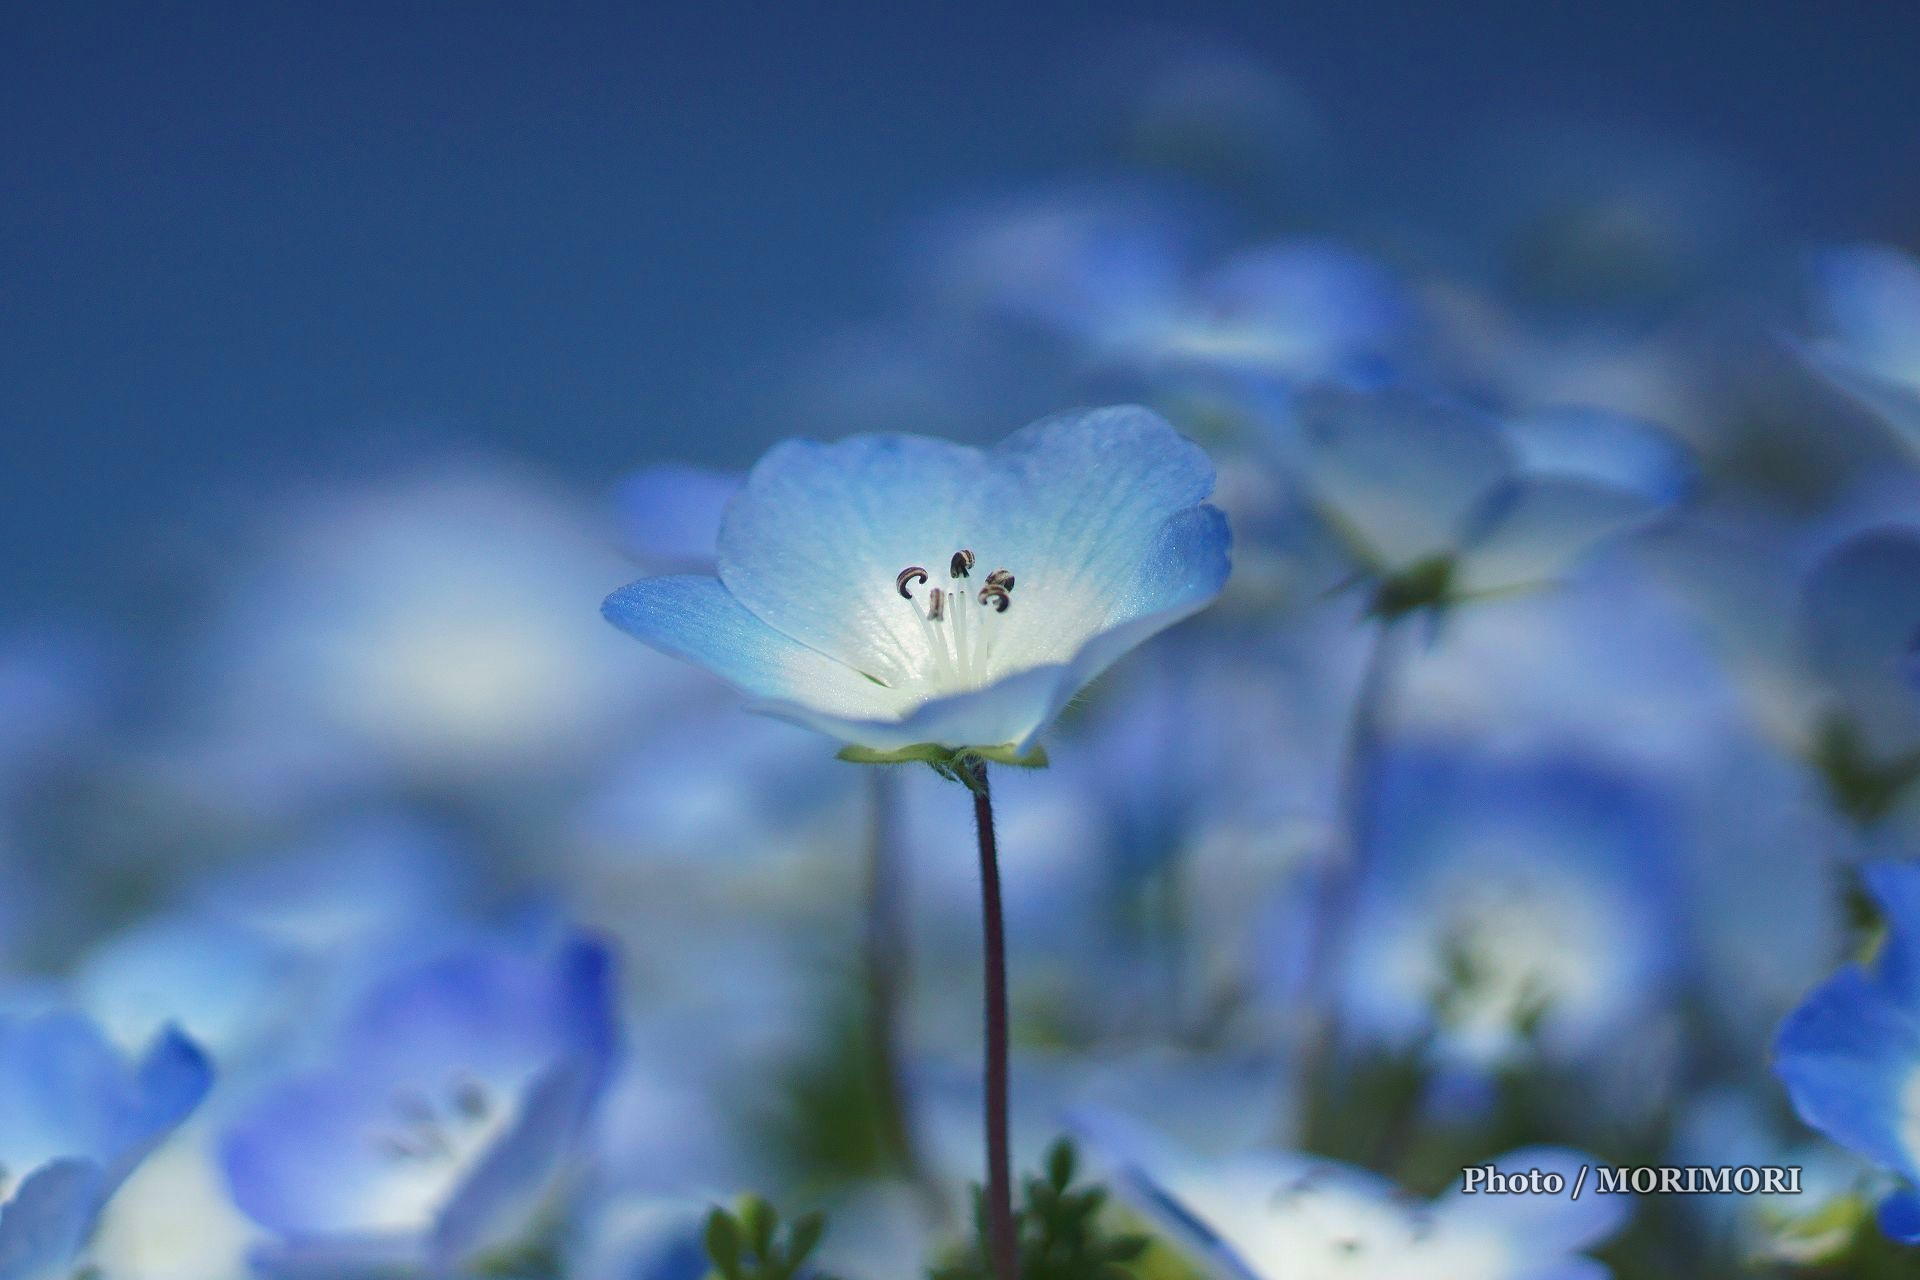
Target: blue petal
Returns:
[[304, 1159], [1304, 309], [1849, 1057], [1399, 474], [1896, 886], [671, 514], [1869, 298], [696, 618], [64, 1091], [1899, 1216], [47, 1220], [814, 542], [1536, 529], [496, 1203], [1612, 449], [173, 1077]]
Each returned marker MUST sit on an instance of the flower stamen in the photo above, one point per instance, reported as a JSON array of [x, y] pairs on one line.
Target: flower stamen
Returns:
[[959, 654]]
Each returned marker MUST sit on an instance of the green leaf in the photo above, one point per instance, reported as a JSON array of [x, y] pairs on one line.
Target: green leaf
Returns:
[[760, 1221], [804, 1236], [723, 1243], [1060, 1162]]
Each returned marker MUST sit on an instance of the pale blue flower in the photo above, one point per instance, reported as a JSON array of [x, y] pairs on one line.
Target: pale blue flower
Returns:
[[1512, 906], [1439, 502], [449, 1110], [75, 1119], [1850, 1054], [1867, 299], [898, 592], [1276, 1215]]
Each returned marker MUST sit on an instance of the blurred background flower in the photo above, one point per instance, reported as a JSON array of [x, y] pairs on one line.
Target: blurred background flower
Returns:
[[1544, 780]]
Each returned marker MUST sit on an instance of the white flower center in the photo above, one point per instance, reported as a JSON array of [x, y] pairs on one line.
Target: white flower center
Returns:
[[961, 624]]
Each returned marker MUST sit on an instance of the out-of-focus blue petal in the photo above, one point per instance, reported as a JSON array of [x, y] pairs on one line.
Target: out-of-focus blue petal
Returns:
[[64, 1091], [172, 1078], [1538, 527], [47, 1219], [671, 514], [1868, 297], [1299, 310], [1399, 473], [1896, 886], [456, 1091], [1861, 612], [226, 985], [1899, 1216], [1549, 1224], [492, 1206], [1613, 449], [1867, 304], [698, 619], [1850, 1057]]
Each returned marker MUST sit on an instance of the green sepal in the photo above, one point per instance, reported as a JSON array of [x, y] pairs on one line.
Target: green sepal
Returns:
[[946, 758]]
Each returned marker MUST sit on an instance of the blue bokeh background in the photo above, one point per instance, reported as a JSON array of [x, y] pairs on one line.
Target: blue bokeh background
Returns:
[[239, 240]]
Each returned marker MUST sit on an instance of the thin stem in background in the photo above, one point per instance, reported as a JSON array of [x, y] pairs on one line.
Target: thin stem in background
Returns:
[[888, 976], [1002, 1244], [1338, 890]]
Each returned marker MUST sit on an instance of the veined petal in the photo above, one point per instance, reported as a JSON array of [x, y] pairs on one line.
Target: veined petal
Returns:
[[1008, 712], [1535, 529], [1180, 576], [812, 544], [695, 617], [1086, 528], [1398, 473]]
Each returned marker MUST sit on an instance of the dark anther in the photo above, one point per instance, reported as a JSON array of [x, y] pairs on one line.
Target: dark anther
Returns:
[[1000, 578], [961, 565], [906, 578], [996, 596], [936, 605]]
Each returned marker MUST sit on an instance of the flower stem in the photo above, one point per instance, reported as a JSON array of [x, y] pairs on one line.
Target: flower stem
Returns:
[[886, 959], [1002, 1245], [1339, 884]]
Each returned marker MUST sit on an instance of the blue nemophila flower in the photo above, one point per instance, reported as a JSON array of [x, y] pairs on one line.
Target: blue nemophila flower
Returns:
[[1512, 908], [1867, 299], [900, 592], [1850, 1054], [1281, 1216], [446, 1118], [1438, 502], [75, 1119]]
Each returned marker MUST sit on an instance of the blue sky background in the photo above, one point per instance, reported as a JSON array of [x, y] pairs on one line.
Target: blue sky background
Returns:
[[237, 241]]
